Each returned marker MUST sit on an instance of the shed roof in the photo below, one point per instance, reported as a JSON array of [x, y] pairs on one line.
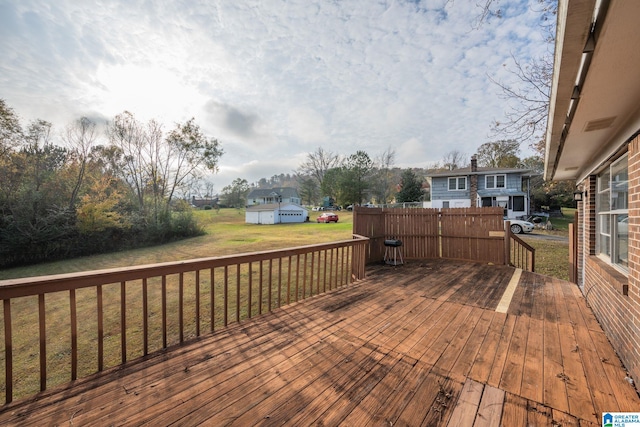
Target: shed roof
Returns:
[[275, 206]]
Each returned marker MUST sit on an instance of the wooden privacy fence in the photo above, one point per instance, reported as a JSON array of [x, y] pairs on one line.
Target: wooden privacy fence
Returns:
[[472, 234], [66, 326]]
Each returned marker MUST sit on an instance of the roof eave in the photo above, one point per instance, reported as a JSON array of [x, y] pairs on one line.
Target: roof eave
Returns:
[[572, 31]]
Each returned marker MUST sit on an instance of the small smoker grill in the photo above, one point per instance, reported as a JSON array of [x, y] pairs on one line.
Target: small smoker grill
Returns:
[[393, 251]]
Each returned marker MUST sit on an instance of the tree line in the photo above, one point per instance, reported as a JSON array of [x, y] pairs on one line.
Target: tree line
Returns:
[[67, 194], [359, 178]]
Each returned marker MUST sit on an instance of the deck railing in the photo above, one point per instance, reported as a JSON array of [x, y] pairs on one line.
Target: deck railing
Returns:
[[67, 326], [519, 253]]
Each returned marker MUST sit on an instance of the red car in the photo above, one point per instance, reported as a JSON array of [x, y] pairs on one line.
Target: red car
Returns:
[[327, 217]]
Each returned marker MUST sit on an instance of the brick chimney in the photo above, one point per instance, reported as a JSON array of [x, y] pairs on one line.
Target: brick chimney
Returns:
[[473, 182]]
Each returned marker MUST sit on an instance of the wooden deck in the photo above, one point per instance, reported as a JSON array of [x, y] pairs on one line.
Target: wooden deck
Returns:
[[428, 343]]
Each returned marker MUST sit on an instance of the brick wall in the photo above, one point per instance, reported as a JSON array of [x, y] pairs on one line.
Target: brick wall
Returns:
[[590, 216], [473, 190], [614, 296]]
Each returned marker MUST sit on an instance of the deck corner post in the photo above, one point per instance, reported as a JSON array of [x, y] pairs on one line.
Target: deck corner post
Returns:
[[507, 242]]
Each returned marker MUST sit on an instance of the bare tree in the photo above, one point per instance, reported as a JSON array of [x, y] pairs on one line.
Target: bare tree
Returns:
[[157, 167], [127, 135], [318, 163], [189, 154], [486, 10], [10, 129], [528, 96], [80, 136], [526, 118], [382, 180], [454, 159]]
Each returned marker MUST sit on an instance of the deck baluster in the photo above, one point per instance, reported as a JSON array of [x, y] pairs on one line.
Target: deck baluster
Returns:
[[43, 342], [8, 351]]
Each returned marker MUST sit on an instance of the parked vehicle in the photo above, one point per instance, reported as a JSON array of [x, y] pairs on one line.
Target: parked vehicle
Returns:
[[518, 226], [537, 217], [327, 217], [623, 225]]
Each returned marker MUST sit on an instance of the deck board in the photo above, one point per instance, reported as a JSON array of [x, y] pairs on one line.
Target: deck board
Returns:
[[420, 344], [464, 413]]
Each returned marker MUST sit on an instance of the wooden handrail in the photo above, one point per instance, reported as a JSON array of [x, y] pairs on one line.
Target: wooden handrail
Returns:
[[518, 252], [301, 272]]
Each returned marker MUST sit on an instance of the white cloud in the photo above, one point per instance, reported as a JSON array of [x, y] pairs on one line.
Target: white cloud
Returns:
[[271, 80]]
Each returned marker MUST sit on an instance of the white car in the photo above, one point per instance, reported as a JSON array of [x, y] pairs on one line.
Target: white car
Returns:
[[518, 226]]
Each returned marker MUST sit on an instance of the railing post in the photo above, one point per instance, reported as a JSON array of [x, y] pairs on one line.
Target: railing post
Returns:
[[507, 243], [572, 259], [532, 260]]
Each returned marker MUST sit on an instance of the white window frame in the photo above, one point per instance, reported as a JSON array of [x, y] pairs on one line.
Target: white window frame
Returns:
[[495, 181], [611, 208], [457, 183]]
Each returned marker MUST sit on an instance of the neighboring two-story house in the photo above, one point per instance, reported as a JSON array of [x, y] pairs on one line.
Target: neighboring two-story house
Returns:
[[475, 186], [275, 206], [265, 196]]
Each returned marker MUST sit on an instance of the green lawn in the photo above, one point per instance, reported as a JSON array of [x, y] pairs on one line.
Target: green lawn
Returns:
[[552, 257], [226, 234]]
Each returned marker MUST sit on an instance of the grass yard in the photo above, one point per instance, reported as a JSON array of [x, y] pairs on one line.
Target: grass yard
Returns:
[[552, 256], [226, 234]]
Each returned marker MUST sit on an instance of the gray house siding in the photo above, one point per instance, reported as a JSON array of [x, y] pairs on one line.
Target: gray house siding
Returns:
[[513, 181], [505, 191], [262, 196], [440, 190]]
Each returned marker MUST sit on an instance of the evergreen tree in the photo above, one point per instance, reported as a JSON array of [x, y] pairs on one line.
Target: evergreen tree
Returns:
[[411, 190]]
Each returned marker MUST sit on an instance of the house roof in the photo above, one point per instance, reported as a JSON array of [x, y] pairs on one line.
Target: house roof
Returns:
[[595, 90], [285, 192], [275, 206], [497, 192], [481, 171]]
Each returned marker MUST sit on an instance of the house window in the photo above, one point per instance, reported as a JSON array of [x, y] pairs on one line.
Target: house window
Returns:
[[612, 208], [495, 181], [458, 184], [518, 203]]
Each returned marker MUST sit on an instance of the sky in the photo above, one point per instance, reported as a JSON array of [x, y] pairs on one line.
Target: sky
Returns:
[[272, 80]]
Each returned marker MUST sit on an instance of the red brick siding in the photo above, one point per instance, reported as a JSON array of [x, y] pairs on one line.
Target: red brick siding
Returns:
[[590, 216], [604, 286], [617, 313]]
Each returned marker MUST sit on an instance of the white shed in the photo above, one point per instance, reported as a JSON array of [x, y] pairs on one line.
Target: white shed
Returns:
[[274, 213]]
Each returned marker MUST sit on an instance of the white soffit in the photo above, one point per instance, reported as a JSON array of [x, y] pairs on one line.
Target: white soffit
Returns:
[[608, 111]]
